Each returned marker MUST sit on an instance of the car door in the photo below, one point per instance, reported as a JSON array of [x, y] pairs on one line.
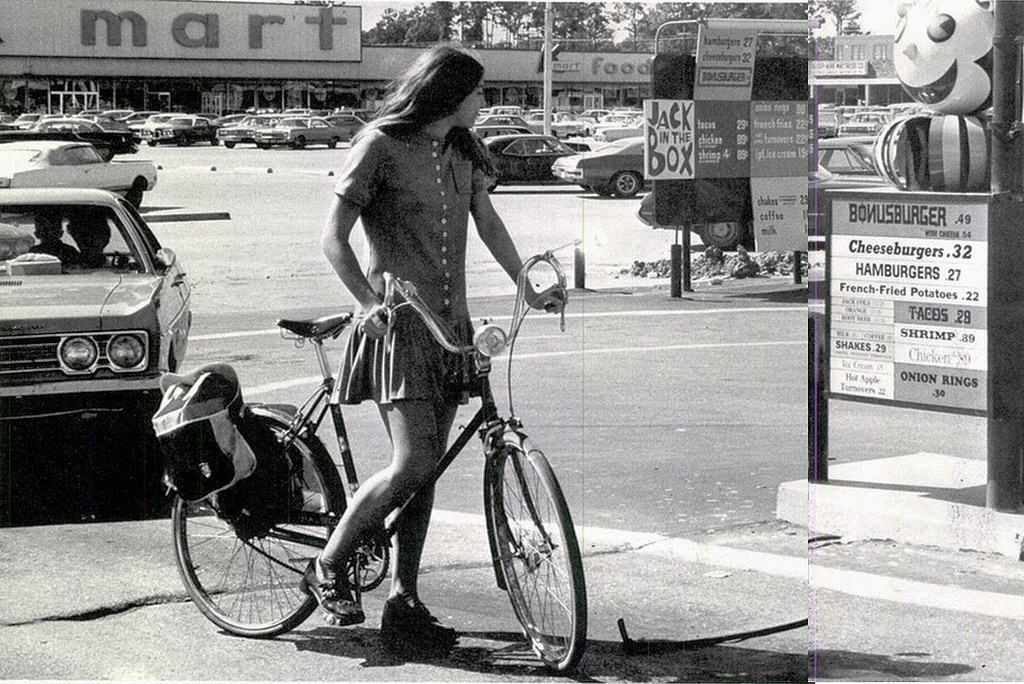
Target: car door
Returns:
[[93, 170]]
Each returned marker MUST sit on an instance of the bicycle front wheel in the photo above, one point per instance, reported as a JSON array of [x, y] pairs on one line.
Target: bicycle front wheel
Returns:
[[244, 575], [535, 545]]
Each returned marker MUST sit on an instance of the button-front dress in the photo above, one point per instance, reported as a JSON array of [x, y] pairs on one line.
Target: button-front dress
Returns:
[[414, 195]]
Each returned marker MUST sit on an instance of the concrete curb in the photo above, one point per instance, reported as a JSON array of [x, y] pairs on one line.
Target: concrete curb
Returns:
[[924, 499]]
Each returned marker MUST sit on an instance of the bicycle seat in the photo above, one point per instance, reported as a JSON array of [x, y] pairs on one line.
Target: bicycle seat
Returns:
[[317, 328]]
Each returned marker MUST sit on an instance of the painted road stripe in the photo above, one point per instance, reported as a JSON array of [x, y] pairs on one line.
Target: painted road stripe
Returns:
[[603, 314], [854, 583], [316, 379], [898, 590]]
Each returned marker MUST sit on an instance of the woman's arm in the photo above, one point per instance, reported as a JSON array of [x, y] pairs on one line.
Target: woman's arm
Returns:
[[335, 242], [495, 235]]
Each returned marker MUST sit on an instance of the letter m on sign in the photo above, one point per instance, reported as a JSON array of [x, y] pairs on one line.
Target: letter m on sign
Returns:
[[114, 23]]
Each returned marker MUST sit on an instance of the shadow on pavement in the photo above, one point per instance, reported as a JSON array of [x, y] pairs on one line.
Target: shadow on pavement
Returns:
[[790, 295], [847, 665], [507, 653]]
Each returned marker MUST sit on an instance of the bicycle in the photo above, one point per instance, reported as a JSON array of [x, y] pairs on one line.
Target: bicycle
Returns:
[[244, 577]]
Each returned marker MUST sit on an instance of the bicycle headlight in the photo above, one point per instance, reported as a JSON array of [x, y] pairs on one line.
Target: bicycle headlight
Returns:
[[78, 353], [490, 340], [125, 351]]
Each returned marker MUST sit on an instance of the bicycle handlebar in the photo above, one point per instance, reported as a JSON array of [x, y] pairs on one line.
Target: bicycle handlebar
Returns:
[[440, 330]]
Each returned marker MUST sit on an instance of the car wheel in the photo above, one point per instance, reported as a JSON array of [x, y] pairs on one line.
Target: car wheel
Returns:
[[722, 235], [184, 140], [603, 190], [214, 142], [151, 143], [333, 143], [134, 194], [626, 183], [228, 144], [298, 143]]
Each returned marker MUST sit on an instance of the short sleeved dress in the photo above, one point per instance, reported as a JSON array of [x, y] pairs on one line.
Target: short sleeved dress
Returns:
[[414, 195]]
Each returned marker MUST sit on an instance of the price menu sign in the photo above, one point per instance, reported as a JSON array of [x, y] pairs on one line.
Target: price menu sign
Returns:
[[908, 300], [723, 139]]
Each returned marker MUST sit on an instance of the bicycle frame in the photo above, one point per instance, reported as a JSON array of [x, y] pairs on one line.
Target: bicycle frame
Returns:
[[486, 421]]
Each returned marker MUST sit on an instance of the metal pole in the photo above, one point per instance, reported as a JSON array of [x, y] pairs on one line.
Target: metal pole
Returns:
[[579, 267], [547, 67], [1005, 320]]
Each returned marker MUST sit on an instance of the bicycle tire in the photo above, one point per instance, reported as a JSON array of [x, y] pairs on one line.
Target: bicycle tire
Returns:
[[544, 582], [250, 587]]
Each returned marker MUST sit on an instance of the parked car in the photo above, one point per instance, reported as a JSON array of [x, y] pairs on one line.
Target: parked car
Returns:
[[118, 114], [828, 124], [593, 115], [493, 120], [525, 158], [848, 156], [245, 130], [299, 132], [136, 120], [609, 120], [60, 164], [491, 131], [506, 110], [143, 130], [105, 122], [108, 143], [614, 169], [563, 124], [863, 123], [83, 348], [229, 120], [605, 134], [350, 123], [726, 235], [27, 120], [182, 131]]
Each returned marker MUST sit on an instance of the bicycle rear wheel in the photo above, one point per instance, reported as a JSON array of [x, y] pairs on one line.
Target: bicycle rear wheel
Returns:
[[243, 577], [536, 547]]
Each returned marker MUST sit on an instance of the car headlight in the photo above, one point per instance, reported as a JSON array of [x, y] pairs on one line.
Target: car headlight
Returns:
[[125, 351], [490, 340], [78, 353]]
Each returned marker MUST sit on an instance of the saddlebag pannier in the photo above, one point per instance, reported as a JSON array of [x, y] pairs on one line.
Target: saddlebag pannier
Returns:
[[196, 426]]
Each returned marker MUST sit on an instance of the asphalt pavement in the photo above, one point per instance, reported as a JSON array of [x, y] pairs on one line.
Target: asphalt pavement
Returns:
[[101, 601]]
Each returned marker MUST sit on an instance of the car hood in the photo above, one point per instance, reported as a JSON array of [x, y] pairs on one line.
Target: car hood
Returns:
[[73, 303]]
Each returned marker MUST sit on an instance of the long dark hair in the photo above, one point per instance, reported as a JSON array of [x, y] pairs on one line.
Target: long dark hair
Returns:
[[431, 89]]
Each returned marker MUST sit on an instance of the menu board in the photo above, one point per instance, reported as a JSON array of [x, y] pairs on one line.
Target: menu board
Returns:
[[725, 64], [778, 138], [723, 139], [908, 301]]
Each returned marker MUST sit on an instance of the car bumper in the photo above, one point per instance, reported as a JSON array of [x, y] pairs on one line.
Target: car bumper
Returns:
[[72, 388], [570, 175]]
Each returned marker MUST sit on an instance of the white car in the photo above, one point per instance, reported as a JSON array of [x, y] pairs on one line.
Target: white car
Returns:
[[64, 164], [618, 132], [563, 124]]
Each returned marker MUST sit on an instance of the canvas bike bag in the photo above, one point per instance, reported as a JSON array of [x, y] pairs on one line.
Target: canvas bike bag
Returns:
[[196, 426]]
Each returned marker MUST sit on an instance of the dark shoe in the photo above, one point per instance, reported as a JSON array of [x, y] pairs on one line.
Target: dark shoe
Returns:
[[334, 595], [406, 625]]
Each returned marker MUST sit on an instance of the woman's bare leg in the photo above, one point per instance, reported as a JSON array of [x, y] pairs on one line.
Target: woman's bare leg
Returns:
[[413, 427]]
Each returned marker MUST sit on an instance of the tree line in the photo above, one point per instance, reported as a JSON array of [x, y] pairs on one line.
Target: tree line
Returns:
[[576, 26]]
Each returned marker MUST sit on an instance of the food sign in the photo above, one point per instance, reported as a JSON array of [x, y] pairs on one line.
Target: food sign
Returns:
[[668, 139], [908, 301]]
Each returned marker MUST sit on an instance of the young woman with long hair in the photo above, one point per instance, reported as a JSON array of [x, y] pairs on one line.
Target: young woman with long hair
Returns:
[[413, 175]]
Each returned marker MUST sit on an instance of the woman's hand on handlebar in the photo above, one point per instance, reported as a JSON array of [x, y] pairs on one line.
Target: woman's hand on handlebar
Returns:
[[551, 300], [374, 322]]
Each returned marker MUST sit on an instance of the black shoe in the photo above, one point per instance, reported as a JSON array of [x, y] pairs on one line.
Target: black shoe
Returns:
[[334, 596], [406, 625]]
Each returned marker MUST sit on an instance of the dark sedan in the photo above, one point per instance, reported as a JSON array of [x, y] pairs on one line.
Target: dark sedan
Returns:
[[525, 158]]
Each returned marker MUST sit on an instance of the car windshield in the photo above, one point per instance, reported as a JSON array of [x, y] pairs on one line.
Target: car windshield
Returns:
[[83, 239], [292, 123]]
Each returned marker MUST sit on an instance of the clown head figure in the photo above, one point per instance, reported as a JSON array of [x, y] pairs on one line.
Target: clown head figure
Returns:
[[943, 54]]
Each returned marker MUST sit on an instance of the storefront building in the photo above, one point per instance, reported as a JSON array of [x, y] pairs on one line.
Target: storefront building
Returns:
[[861, 73], [220, 57]]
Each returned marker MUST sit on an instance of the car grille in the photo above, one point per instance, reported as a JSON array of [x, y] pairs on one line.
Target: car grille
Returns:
[[37, 354]]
